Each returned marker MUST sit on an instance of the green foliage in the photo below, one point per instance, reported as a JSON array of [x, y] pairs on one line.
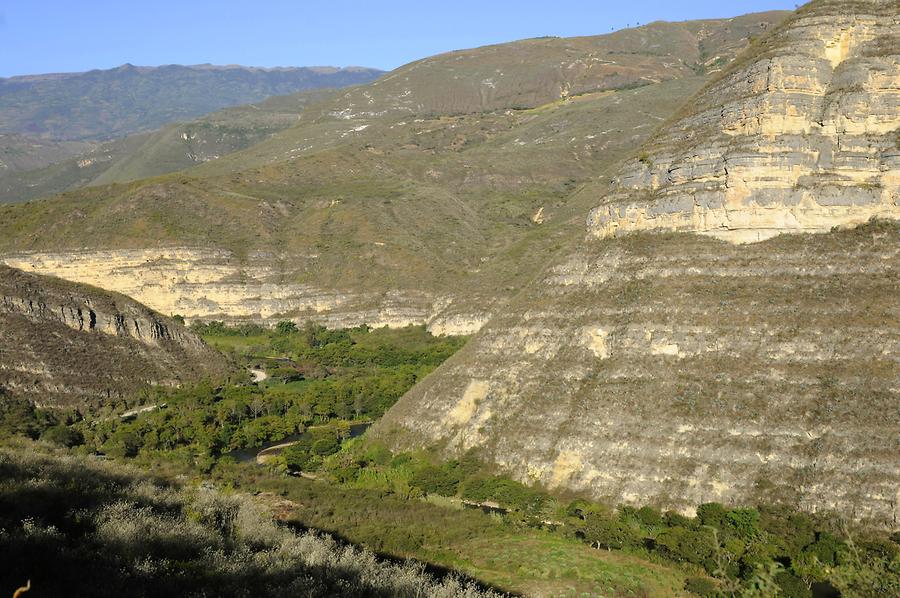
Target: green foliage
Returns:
[[744, 523], [696, 546], [436, 480], [349, 375], [609, 532], [702, 586], [63, 435], [285, 327], [81, 527], [19, 417]]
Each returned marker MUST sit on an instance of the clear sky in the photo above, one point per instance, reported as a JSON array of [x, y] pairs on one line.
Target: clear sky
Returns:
[[41, 36]]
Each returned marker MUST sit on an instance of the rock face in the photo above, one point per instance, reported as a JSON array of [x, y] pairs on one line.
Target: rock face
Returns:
[[801, 134], [210, 284], [66, 344], [678, 370]]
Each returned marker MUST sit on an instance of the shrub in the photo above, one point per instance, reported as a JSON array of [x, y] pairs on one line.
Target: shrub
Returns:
[[713, 514], [436, 480], [63, 435], [609, 532], [744, 523], [702, 586]]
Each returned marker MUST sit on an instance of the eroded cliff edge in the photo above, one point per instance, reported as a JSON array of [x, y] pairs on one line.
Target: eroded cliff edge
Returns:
[[671, 368], [64, 344], [798, 135]]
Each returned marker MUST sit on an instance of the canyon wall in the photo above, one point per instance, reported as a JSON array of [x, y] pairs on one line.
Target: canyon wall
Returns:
[[212, 284], [64, 344], [674, 369], [799, 135], [677, 370]]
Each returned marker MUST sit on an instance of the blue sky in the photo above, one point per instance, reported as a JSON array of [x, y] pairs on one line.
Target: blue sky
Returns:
[[39, 36]]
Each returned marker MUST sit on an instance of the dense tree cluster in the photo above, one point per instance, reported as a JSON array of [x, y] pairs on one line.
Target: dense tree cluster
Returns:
[[317, 377]]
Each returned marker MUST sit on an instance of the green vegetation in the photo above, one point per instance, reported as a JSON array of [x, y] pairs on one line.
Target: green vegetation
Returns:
[[740, 549], [319, 381], [457, 514], [62, 517]]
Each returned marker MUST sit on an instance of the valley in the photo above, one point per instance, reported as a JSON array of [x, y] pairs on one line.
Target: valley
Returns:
[[612, 315]]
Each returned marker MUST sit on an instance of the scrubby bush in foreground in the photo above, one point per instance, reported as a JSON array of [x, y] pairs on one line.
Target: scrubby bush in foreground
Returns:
[[62, 516]]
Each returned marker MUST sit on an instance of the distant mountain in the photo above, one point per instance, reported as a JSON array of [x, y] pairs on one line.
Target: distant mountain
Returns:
[[105, 104]]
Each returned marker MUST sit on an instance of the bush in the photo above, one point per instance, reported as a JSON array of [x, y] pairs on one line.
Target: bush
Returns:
[[744, 523], [713, 514], [702, 586], [285, 327], [63, 436], [326, 446], [436, 480], [649, 516], [609, 532]]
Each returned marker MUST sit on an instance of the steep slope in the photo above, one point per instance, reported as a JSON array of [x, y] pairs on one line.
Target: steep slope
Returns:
[[140, 155], [800, 135], [678, 369], [64, 344], [381, 215], [104, 104]]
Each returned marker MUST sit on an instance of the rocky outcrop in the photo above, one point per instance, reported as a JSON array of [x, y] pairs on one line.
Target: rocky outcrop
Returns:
[[212, 284], [66, 344], [799, 135], [677, 370]]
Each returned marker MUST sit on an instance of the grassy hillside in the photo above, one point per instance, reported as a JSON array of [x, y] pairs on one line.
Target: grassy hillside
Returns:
[[141, 536], [105, 104], [20, 152], [389, 188], [140, 155]]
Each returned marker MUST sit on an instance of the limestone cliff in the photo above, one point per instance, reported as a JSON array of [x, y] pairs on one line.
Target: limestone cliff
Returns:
[[64, 344], [800, 134], [211, 284], [676, 370]]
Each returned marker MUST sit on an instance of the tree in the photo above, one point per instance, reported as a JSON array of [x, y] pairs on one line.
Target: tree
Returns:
[[63, 435], [285, 327]]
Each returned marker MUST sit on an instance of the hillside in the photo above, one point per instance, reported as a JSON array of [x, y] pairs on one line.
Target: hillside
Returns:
[[68, 345], [681, 369], [105, 104], [174, 147], [19, 152], [393, 214], [140, 536]]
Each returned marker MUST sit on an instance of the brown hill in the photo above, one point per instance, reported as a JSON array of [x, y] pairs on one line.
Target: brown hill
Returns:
[[66, 344]]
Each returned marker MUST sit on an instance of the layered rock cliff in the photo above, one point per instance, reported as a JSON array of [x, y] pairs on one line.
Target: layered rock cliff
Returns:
[[211, 284], [800, 134], [65, 344], [676, 369]]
